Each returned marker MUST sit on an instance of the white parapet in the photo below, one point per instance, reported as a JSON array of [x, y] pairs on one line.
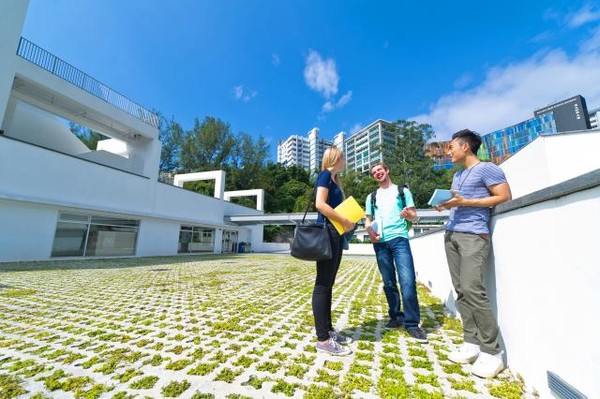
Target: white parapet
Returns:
[[259, 193], [217, 175]]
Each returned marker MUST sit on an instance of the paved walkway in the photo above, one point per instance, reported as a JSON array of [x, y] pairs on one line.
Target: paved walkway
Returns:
[[225, 327]]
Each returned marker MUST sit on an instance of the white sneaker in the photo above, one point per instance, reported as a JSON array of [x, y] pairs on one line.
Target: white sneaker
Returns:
[[467, 353], [488, 366]]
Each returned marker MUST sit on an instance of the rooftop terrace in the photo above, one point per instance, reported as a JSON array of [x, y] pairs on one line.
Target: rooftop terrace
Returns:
[[234, 327]]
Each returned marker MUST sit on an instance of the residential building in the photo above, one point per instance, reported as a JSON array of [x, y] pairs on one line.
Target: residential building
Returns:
[[306, 152], [363, 148], [295, 150]]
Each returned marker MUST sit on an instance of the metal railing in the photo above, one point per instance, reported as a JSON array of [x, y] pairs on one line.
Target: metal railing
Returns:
[[42, 58]]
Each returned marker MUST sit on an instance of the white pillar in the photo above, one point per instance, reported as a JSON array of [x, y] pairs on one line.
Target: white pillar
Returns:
[[259, 193], [217, 175], [12, 17]]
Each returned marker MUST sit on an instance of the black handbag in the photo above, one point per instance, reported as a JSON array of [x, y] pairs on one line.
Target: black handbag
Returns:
[[311, 240]]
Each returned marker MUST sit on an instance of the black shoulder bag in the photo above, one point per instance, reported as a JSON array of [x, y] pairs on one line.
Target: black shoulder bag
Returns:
[[311, 240]]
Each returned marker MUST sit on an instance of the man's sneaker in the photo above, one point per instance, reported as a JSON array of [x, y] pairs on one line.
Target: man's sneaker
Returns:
[[488, 366], [417, 333], [467, 353], [333, 348], [393, 324], [339, 338]]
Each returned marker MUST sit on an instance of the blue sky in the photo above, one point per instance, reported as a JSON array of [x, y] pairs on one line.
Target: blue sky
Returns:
[[276, 68]]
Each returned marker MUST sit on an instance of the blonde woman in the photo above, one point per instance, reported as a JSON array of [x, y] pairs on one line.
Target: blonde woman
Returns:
[[329, 195]]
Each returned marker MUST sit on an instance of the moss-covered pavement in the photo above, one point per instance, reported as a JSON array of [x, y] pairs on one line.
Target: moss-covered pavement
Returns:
[[205, 326]]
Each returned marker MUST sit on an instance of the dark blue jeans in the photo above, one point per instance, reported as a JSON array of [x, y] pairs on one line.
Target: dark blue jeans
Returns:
[[393, 257]]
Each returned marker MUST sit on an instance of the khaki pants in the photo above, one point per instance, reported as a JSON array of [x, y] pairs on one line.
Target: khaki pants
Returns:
[[467, 256]]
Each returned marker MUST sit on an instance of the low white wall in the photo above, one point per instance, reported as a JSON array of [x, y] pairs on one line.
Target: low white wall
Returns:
[[273, 247], [27, 231], [157, 238], [360, 249], [543, 284], [540, 158], [432, 268]]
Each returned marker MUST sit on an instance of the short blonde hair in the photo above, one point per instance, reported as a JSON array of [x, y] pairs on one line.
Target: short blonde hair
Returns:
[[331, 156]]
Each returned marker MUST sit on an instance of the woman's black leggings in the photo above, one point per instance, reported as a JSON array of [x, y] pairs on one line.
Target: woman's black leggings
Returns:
[[321, 298]]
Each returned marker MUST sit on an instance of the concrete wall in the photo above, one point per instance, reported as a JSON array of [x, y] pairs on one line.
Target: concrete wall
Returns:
[[157, 237], [43, 182], [30, 124], [552, 159], [26, 230], [542, 283], [431, 266], [12, 17]]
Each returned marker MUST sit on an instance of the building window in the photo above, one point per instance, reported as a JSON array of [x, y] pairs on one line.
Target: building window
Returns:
[[86, 235], [196, 239]]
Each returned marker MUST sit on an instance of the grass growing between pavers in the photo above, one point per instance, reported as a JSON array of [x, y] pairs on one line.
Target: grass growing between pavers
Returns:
[[217, 326]]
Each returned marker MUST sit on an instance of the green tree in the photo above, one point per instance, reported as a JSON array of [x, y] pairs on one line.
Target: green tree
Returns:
[[408, 163], [207, 146], [171, 136], [280, 183], [249, 158], [87, 136]]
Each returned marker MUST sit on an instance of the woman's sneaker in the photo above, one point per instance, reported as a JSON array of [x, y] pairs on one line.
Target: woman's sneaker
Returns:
[[333, 348], [339, 338]]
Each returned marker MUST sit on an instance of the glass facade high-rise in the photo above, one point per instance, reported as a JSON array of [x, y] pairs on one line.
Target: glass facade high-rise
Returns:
[[501, 144], [595, 118]]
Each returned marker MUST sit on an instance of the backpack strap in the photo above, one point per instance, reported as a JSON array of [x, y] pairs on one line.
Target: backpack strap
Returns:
[[373, 202], [401, 196]]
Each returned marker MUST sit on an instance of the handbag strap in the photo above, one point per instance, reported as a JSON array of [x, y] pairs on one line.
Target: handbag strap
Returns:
[[314, 197]]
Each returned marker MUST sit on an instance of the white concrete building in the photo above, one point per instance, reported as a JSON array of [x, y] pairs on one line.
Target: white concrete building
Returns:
[[362, 149], [306, 152], [58, 198], [295, 150]]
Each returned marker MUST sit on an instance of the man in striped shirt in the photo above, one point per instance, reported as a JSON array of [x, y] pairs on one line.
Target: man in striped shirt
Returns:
[[478, 187]]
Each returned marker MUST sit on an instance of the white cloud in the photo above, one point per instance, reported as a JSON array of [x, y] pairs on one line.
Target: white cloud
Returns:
[[321, 74], [509, 94], [332, 105], [275, 59], [245, 95], [582, 16]]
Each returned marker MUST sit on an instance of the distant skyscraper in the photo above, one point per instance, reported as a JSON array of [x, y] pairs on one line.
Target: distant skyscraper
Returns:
[[362, 149], [305, 152], [294, 151]]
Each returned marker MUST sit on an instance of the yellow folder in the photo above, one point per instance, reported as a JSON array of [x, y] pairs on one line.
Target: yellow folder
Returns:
[[350, 210]]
